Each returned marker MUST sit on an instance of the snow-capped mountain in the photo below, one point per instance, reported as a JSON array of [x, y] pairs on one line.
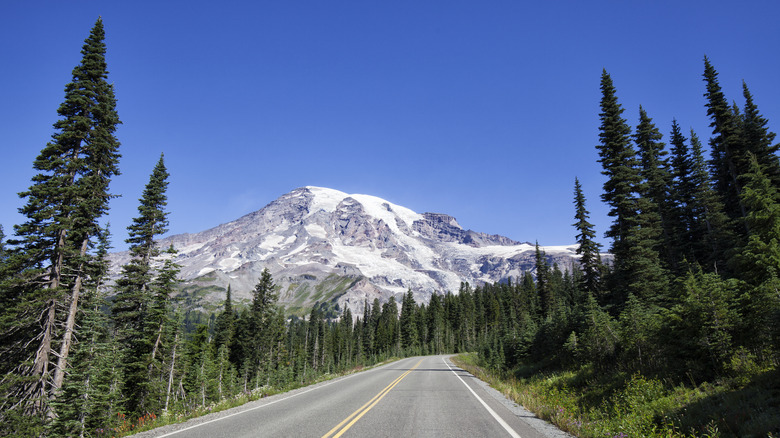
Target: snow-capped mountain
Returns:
[[325, 245]]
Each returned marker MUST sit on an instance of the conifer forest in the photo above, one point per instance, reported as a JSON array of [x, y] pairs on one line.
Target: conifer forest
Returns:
[[687, 294]]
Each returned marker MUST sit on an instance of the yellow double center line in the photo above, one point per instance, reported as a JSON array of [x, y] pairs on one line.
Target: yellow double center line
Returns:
[[357, 415]]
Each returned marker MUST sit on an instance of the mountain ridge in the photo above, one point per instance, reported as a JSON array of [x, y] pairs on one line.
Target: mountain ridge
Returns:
[[325, 246]]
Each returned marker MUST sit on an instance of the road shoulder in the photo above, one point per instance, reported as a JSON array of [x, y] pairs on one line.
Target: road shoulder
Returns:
[[543, 427]]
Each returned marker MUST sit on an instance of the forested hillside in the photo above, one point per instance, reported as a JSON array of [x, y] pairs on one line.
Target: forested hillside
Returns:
[[691, 299], [690, 296]]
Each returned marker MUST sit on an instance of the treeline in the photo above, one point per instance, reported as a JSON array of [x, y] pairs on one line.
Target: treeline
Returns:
[[256, 346], [691, 293]]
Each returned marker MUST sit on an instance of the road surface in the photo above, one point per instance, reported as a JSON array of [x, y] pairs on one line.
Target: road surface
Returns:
[[414, 397]]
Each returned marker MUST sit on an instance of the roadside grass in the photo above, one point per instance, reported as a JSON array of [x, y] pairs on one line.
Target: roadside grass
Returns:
[[593, 404], [126, 426]]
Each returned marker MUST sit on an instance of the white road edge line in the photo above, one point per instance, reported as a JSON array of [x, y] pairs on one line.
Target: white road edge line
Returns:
[[261, 406], [503, 423]]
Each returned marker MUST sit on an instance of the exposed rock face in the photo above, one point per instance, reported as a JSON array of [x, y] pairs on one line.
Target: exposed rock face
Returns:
[[325, 245], [444, 228]]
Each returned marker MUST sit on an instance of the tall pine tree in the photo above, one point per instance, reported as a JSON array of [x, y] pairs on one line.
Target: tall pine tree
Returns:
[[2, 245], [587, 248], [134, 305], [728, 160], [409, 336], [759, 140], [263, 310], [224, 326], [647, 233], [621, 167], [710, 232], [543, 287], [758, 261], [681, 196], [89, 395], [656, 184], [51, 252]]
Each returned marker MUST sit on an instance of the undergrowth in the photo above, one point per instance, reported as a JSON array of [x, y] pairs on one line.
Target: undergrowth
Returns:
[[592, 404]]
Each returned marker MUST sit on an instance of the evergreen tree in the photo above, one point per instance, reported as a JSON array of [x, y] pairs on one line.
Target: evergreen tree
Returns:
[[89, 394], [587, 248], [728, 160], [2, 247], [529, 300], [758, 261], [599, 340], [409, 336], [136, 311], [453, 307], [435, 325], [224, 375], [759, 140], [647, 277], [263, 309], [710, 233], [656, 186], [240, 349], [315, 338], [3, 268], [681, 194], [702, 324], [357, 342], [637, 327], [161, 325], [422, 327], [101, 154], [344, 350], [225, 324], [543, 287], [277, 350], [153, 218], [621, 167], [92, 386], [200, 366], [373, 325], [50, 254], [173, 362], [642, 268], [388, 333], [367, 330], [468, 312], [160, 309]]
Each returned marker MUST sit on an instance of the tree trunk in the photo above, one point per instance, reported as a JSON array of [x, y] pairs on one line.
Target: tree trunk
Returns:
[[170, 375], [70, 323], [83, 414], [157, 343], [203, 383], [37, 389], [40, 371]]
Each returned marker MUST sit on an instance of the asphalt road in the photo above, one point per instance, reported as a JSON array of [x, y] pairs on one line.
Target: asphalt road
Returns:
[[414, 397]]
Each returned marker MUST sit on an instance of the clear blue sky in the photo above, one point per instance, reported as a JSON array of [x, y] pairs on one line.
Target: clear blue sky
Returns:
[[482, 110]]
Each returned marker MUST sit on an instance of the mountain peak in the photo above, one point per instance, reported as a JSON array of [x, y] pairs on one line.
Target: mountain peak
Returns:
[[325, 245], [329, 200]]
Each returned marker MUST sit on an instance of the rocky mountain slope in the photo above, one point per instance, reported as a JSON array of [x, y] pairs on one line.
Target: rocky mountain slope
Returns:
[[323, 245]]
